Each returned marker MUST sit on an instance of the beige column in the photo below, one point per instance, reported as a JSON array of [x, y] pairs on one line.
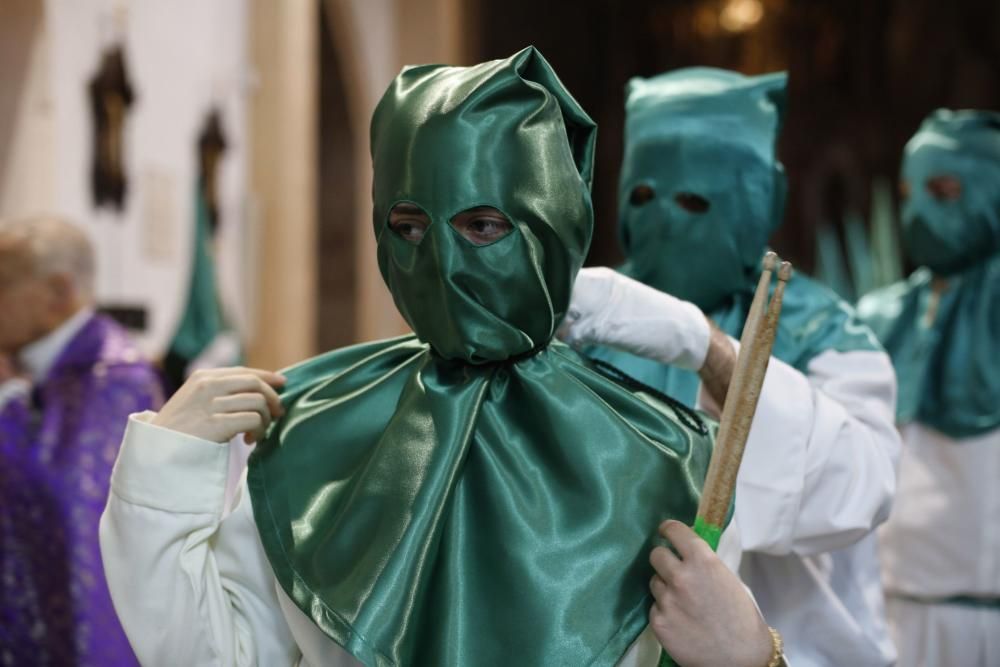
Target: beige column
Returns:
[[433, 31], [27, 128], [376, 38], [283, 45]]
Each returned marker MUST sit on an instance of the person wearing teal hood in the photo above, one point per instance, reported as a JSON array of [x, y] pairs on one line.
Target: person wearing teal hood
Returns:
[[473, 494], [701, 192], [941, 547]]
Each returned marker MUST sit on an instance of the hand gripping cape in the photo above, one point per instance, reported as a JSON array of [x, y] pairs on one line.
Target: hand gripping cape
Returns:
[[949, 370], [475, 494], [702, 142]]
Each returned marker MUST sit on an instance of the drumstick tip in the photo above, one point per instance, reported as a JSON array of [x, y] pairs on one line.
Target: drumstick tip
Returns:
[[770, 261], [785, 272]]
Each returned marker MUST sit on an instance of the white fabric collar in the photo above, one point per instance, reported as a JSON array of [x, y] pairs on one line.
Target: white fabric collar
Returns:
[[37, 358]]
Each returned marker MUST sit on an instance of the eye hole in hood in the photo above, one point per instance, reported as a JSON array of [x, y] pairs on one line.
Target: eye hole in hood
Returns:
[[944, 188], [692, 203]]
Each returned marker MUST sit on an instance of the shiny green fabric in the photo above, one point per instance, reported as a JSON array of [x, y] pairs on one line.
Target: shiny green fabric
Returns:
[[949, 372], [504, 134], [712, 133], [202, 319], [479, 495]]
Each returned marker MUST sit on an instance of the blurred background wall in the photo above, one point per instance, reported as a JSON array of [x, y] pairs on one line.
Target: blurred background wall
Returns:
[[182, 60], [862, 75], [295, 83]]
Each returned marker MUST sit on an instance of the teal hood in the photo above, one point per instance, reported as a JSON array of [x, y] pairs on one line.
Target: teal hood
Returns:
[[949, 234], [949, 369], [703, 142], [701, 189]]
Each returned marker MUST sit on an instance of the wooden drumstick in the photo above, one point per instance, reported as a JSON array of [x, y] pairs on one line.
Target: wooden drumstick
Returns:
[[741, 402]]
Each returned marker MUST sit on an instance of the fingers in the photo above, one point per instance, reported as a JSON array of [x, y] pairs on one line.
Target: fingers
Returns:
[[243, 399], [659, 589], [664, 562], [255, 393], [270, 377], [235, 384], [244, 403], [219, 382], [228, 376], [249, 423], [685, 540], [658, 620]]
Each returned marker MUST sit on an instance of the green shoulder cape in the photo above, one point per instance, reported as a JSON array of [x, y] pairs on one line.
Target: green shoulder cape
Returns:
[[427, 512]]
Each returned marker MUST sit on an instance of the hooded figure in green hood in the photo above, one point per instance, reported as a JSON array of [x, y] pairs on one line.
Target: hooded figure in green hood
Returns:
[[701, 192], [467, 491], [473, 494], [941, 548]]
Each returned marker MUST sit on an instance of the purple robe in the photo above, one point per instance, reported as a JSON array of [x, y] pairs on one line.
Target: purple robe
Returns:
[[56, 455]]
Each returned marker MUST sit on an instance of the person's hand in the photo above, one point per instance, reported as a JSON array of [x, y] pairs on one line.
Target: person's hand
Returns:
[[703, 616], [608, 308], [220, 404]]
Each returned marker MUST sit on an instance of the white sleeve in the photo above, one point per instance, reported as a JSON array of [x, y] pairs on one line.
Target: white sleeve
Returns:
[[190, 587], [819, 470]]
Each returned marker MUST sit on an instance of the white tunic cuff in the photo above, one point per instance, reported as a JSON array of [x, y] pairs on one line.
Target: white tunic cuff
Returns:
[[170, 471]]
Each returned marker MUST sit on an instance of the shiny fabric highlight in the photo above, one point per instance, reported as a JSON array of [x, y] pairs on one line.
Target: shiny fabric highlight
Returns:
[[439, 513], [481, 496], [504, 134]]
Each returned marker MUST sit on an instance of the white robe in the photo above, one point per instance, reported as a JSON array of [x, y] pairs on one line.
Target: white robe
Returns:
[[818, 475], [194, 588], [943, 540]]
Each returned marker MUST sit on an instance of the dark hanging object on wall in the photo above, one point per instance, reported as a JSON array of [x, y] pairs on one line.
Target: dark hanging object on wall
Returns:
[[111, 94], [211, 145], [203, 323]]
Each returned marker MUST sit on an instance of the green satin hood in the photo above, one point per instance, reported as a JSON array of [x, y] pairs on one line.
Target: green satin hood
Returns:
[[708, 133], [950, 236], [949, 372], [424, 505], [504, 134]]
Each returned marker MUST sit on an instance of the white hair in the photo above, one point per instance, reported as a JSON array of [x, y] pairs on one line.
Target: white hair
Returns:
[[53, 245]]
